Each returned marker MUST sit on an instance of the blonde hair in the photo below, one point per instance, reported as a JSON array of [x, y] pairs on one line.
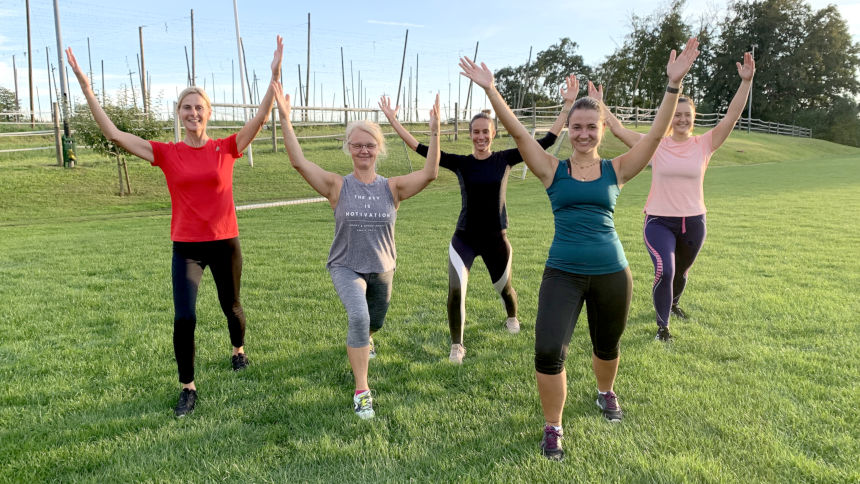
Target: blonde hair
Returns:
[[484, 114], [370, 128], [194, 90]]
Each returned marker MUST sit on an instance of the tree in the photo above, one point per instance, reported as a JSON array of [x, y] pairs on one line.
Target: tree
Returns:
[[806, 64], [538, 82], [8, 101], [130, 119]]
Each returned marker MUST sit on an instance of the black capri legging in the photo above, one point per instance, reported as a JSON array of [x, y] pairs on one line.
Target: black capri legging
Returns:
[[224, 258], [607, 300]]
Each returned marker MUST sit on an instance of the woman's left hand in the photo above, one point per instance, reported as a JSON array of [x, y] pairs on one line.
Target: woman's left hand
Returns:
[[746, 71], [279, 56], [482, 75], [678, 66], [434, 117]]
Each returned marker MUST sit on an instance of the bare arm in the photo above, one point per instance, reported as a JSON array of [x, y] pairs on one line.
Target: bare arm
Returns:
[[391, 114], [132, 143], [722, 130], [405, 186], [252, 128], [541, 163], [326, 183], [631, 163], [568, 94], [627, 136]]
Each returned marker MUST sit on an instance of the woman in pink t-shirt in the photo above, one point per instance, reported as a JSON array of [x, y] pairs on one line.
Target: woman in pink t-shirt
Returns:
[[675, 228], [203, 225]]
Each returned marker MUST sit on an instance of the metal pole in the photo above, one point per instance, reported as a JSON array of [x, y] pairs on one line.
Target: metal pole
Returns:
[[15, 76], [749, 108], [90, 60], [48, 63], [103, 82], [30, 66], [193, 59], [308, 70], [241, 74], [143, 93], [64, 88], [343, 79], [469, 91]]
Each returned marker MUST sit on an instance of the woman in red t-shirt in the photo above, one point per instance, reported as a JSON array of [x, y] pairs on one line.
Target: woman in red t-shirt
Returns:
[[203, 226]]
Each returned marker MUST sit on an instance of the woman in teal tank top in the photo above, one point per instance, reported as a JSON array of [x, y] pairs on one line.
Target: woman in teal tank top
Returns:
[[586, 262]]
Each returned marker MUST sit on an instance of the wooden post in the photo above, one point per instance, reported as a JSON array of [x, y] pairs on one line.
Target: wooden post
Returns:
[[15, 75], [456, 121], [308, 69], [193, 59], [469, 90], [636, 117], [58, 144], [343, 79], [402, 64], [175, 122], [143, 73]]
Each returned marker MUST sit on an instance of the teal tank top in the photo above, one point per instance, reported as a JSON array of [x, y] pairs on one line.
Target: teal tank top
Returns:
[[585, 240]]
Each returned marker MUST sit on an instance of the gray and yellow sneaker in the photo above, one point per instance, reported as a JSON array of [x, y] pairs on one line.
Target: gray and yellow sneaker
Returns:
[[363, 404]]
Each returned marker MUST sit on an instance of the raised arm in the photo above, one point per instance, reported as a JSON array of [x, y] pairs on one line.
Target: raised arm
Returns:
[[722, 130], [405, 186], [627, 136], [391, 115], [631, 163], [252, 128], [324, 182], [541, 163], [132, 143]]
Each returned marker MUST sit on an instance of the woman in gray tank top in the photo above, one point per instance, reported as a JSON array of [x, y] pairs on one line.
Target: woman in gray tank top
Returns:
[[362, 256]]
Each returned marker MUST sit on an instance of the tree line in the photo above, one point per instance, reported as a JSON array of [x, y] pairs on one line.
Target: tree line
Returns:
[[806, 65]]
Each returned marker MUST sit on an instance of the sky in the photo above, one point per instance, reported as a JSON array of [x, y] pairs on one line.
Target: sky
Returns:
[[371, 35]]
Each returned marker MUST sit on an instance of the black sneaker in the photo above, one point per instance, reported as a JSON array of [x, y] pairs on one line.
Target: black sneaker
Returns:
[[663, 334], [187, 400], [677, 311], [608, 402], [550, 444], [240, 362]]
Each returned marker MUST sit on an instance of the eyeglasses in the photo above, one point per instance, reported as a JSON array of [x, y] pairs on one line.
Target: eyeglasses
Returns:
[[359, 146]]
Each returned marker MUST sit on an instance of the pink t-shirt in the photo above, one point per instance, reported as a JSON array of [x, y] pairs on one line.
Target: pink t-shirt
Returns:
[[200, 181], [677, 174]]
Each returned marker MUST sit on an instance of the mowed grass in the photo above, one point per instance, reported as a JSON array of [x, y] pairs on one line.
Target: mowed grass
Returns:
[[760, 384]]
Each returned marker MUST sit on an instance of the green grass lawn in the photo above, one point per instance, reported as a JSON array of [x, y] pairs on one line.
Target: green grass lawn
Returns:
[[760, 384]]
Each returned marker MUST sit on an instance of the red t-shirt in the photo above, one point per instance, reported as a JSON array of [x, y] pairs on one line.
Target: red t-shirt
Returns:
[[200, 181]]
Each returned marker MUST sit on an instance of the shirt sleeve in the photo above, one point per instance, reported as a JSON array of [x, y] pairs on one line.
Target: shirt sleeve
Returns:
[[159, 150], [229, 144], [446, 160], [548, 140]]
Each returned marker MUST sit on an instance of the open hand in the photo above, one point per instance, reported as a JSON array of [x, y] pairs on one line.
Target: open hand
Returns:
[[595, 92], [570, 89], [678, 66], [73, 63], [387, 110], [434, 117], [279, 56], [747, 70], [481, 75], [282, 100]]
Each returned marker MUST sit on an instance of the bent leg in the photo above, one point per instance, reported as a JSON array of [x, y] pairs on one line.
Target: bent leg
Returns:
[[460, 258], [351, 287], [689, 244], [607, 305], [660, 241], [498, 256]]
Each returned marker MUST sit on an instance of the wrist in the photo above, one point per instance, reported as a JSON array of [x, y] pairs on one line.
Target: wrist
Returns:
[[673, 87]]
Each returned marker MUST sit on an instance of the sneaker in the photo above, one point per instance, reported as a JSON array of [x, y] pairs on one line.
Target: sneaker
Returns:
[[363, 404], [372, 349], [663, 334], [457, 354], [240, 362], [608, 402], [187, 400], [550, 444], [677, 311], [513, 325]]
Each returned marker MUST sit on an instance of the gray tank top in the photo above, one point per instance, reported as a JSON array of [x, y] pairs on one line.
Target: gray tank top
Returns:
[[364, 227]]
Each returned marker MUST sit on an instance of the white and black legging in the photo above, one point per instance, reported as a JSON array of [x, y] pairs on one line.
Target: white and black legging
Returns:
[[224, 258], [495, 249]]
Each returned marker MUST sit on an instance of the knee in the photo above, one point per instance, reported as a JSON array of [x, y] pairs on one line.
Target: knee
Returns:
[[358, 333], [455, 294], [607, 354], [376, 325], [549, 360]]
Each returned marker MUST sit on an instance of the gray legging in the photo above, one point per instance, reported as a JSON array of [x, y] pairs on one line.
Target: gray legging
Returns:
[[366, 298]]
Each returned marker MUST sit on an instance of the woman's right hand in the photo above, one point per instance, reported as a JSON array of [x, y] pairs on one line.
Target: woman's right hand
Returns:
[[385, 105], [481, 75], [595, 92], [678, 66], [434, 117], [278, 57]]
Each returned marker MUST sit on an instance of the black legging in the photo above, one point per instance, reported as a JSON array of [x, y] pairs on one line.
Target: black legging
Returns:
[[224, 258], [495, 249], [607, 300]]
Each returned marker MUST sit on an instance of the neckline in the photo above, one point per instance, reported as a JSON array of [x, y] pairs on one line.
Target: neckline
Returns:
[[570, 174]]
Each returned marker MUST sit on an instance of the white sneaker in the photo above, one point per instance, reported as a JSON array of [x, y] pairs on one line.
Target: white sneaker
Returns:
[[513, 325], [363, 403], [457, 354]]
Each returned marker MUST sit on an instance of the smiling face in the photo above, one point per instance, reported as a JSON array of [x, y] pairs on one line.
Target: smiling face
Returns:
[[585, 129], [194, 111], [682, 122], [363, 148], [482, 133]]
